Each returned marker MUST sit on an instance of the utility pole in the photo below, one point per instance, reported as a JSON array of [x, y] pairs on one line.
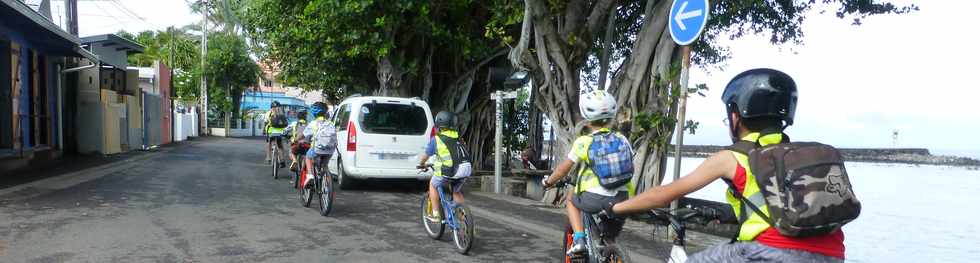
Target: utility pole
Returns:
[[204, 78], [71, 12]]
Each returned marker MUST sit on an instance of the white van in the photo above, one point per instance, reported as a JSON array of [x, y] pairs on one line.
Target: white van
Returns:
[[380, 138]]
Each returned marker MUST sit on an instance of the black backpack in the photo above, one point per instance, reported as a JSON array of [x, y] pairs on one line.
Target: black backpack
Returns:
[[805, 187], [457, 151], [279, 121]]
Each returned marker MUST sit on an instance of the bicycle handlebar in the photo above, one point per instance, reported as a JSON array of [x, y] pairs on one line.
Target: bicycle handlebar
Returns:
[[699, 215]]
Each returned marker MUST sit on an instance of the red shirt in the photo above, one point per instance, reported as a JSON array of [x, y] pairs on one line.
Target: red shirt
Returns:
[[830, 245]]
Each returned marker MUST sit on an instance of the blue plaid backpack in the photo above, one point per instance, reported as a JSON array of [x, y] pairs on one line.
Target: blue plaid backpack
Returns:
[[611, 159]]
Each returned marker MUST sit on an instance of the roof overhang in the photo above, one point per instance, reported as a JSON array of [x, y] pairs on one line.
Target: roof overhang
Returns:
[[38, 30], [117, 43]]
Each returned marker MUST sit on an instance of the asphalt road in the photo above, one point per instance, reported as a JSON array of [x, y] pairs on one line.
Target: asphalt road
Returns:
[[212, 200]]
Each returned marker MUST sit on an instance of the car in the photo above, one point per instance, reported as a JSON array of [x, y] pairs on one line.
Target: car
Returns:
[[380, 138]]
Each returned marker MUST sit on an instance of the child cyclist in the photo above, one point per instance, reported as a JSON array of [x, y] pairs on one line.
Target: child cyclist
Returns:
[[449, 153], [319, 112], [297, 143], [599, 110], [760, 104]]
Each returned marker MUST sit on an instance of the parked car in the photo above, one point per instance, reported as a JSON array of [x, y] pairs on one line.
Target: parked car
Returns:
[[380, 138]]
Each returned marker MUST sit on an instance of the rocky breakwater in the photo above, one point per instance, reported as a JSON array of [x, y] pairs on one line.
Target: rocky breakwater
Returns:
[[877, 155]]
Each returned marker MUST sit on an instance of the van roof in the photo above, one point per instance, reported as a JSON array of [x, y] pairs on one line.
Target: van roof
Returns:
[[382, 99]]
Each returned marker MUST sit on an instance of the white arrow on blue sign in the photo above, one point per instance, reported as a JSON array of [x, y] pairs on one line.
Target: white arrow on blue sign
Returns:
[[687, 20]]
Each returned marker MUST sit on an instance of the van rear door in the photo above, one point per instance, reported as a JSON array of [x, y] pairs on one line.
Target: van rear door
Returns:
[[391, 133]]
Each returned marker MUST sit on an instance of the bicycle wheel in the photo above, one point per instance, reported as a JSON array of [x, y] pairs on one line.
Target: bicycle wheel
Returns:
[[465, 234], [434, 229], [306, 194], [326, 195], [275, 162]]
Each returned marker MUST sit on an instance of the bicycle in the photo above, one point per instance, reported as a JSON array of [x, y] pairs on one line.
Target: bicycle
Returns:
[[600, 248], [678, 219], [276, 141], [321, 185], [454, 215]]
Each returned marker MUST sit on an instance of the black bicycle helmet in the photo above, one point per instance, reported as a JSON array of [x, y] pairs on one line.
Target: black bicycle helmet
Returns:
[[445, 119], [275, 103], [761, 92]]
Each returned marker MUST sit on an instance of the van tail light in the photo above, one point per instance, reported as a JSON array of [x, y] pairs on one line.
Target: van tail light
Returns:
[[351, 137], [433, 133]]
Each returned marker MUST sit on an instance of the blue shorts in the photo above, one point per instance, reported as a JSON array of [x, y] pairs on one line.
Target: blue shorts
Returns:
[[311, 154], [456, 185]]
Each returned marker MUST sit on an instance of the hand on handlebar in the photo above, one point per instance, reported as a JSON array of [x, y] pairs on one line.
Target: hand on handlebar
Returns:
[[424, 167], [607, 211]]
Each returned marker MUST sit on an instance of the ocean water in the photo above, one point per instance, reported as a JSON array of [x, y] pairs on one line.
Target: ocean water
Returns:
[[909, 213]]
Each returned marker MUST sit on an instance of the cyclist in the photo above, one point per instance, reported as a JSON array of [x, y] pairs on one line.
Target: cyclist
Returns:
[[319, 112], [276, 121], [760, 104], [449, 152], [297, 143], [599, 109]]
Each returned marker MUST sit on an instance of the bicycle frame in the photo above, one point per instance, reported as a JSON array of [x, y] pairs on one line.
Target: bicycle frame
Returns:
[[594, 244], [448, 206]]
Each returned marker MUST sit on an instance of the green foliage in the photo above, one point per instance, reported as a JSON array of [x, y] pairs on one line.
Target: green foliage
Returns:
[[229, 70], [175, 48], [516, 121], [334, 45]]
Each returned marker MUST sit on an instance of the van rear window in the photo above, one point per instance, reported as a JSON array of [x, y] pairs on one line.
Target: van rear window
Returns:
[[397, 119]]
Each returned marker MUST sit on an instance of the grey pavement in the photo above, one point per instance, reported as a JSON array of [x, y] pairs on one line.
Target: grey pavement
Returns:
[[212, 200]]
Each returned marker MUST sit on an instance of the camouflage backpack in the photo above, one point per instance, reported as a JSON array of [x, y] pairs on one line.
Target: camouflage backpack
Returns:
[[805, 186]]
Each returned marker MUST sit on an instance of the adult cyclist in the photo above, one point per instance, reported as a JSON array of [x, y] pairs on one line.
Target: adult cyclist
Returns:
[[276, 122], [760, 104]]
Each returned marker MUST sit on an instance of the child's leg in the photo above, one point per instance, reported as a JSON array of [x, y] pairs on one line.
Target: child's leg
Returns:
[[433, 195], [574, 214]]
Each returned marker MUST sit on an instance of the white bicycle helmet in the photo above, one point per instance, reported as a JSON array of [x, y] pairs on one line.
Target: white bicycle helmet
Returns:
[[597, 105]]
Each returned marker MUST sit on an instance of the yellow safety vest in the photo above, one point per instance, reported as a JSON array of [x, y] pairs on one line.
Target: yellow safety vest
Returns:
[[754, 224], [320, 121], [268, 124], [445, 158], [293, 137], [586, 178]]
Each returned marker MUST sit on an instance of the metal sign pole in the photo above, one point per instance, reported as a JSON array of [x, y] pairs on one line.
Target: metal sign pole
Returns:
[[498, 140], [681, 110]]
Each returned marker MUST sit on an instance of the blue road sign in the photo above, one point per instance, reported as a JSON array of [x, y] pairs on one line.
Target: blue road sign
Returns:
[[687, 20]]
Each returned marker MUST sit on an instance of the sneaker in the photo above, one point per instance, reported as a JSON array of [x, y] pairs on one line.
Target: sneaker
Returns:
[[578, 246], [434, 217], [282, 164]]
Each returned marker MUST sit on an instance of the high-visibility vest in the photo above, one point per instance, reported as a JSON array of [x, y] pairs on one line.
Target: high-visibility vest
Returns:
[[752, 223], [442, 151]]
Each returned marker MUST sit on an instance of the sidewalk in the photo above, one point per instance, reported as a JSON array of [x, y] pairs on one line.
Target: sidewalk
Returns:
[[70, 170]]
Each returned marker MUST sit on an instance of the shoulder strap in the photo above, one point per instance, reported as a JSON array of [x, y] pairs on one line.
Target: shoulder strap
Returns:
[[742, 147]]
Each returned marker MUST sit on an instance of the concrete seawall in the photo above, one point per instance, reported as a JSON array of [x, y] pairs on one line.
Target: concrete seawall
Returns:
[[878, 155]]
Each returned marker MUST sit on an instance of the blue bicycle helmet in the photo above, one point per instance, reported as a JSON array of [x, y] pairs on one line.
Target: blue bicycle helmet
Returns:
[[318, 108]]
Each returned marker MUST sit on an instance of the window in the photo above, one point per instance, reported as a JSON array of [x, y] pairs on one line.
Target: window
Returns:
[[393, 119], [343, 117], [268, 83]]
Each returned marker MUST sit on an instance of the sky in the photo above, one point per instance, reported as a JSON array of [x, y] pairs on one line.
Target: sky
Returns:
[[913, 73], [857, 84]]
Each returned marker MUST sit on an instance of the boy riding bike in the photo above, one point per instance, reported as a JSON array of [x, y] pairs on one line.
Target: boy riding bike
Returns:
[[319, 112], [791, 198], [276, 122], [451, 160], [593, 191], [297, 143]]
